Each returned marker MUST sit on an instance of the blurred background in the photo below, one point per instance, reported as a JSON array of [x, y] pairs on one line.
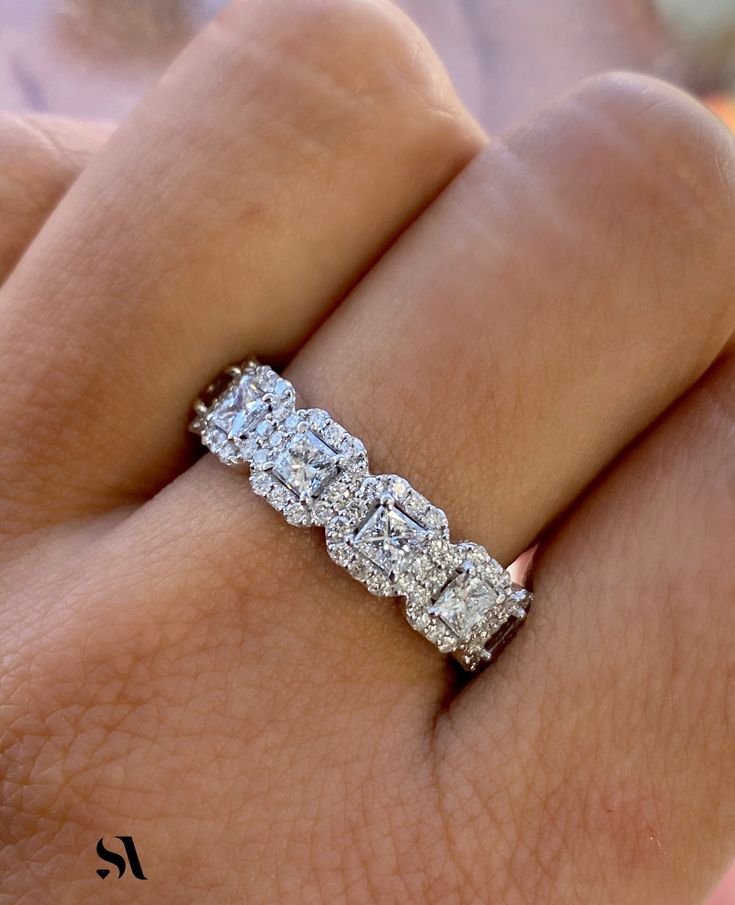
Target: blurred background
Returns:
[[94, 58]]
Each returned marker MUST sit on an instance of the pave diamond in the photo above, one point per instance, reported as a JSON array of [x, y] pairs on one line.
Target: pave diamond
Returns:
[[389, 537], [464, 602]]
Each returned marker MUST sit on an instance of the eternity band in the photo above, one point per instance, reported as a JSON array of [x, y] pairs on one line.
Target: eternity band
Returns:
[[385, 533]]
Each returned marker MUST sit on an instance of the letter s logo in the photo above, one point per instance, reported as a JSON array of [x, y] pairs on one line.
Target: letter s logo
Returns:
[[118, 861]]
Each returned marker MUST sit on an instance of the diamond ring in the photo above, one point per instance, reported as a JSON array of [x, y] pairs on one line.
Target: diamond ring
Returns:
[[385, 533]]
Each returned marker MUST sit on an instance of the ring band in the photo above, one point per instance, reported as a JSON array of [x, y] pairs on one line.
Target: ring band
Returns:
[[385, 533]]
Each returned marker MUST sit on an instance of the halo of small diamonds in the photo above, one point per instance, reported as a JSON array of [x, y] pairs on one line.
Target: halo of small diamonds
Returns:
[[229, 425], [466, 607], [306, 465], [378, 527], [388, 536]]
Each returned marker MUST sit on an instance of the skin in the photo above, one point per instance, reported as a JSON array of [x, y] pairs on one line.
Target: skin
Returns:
[[546, 352], [40, 157]]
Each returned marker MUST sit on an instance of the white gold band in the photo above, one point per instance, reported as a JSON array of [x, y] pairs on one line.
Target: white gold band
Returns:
[[385, 533]]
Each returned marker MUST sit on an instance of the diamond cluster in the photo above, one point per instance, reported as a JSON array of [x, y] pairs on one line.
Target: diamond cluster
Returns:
[[470, 607], [378, 527], [306, 466], [252, 401], [388, 536]]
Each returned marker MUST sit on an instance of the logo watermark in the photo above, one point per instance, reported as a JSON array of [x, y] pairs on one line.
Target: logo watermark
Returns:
[[118, 860]]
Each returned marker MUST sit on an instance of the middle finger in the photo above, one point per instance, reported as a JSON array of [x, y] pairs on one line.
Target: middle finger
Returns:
[[274, 161]]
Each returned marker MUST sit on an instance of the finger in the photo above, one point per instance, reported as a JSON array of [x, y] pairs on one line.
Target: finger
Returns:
[[557, 321], [40, 157], [621, 734], [725, 892], [270, 166], [544, 319]]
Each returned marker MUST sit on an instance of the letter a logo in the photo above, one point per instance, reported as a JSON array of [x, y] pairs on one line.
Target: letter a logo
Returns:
[[118, 861]]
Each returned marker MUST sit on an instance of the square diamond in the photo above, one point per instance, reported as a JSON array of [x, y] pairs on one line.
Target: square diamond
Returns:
[[239, 412], [464, 602], [306, 465], [390, 538]]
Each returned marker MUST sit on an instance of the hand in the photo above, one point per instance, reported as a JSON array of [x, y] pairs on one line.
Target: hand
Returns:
[[545, 352]]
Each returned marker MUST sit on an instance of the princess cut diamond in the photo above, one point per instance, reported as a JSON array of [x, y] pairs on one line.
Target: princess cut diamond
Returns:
[[389, 537], [235, 416], [307, 465], [465, 602], [473, 609], [306, 468], [386, 535], [255, 396]]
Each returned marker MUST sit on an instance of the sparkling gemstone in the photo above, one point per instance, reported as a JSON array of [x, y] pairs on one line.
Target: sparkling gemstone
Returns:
[[390, 538], [307, 465], [237, 414], [464, 602]]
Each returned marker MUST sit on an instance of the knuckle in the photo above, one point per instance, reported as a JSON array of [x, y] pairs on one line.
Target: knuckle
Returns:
[[368, 47], [39, 158], [667, 150], [23, 144], [32, 172], [644, 176], [38, 152]]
